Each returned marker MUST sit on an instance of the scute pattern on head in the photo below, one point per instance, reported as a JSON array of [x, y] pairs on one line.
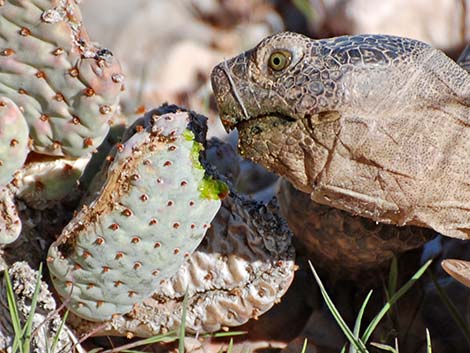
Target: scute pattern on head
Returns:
[[311, 82]]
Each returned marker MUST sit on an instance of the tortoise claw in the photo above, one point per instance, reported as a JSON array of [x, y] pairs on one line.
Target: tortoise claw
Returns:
[[458, 269]]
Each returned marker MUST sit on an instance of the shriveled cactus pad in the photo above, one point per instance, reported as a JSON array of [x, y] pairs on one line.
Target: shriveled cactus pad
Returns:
[[10, 223], [45, 182], [151, 206], [66, 87], [244, 265]]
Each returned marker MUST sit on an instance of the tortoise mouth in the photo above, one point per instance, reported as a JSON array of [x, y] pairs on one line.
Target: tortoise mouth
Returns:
[[263, 123], [273, 119]]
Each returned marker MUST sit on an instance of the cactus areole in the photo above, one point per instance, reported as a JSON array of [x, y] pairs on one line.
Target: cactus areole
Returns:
[[150, 207]]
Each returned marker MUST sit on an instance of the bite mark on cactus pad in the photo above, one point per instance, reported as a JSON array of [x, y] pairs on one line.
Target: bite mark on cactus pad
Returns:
[[117, 228], [213, 189], [209, 187]]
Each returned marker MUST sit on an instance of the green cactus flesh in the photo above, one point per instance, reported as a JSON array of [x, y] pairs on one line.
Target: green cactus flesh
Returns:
[[67, 88], [13, 139], [208, 186], [147, 216], [213, 189]]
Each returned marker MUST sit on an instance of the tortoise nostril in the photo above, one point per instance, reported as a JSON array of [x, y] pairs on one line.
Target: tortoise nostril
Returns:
[[219, 81]]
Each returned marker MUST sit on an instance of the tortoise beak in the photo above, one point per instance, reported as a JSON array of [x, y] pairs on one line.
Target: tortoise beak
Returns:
[[227, 79]]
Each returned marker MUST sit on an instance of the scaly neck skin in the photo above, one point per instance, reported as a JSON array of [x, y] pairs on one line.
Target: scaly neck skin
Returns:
[[296, 150]]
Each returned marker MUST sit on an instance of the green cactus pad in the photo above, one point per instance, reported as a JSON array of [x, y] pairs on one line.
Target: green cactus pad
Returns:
[[13, 139], [66, 87], [147, 214]]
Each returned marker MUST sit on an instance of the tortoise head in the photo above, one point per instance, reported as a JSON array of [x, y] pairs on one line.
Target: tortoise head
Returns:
[[288, 95], [267, 80]]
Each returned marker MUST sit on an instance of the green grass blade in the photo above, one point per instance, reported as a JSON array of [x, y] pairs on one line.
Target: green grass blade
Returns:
[[230, 346], [392, 278], [95, 350], [428, 342], [15, 317], [59, 331], [372, 326], [391, 287], [224, 334], [334, 311], [383, 347], [343, 350], [182, 329], [454, 313], [166, 337], [29, 321], [357, 325], [304, 346]]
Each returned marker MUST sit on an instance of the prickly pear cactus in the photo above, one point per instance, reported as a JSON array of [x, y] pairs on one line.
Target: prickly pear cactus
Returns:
[[242, 268], [66, 87], [150, 208], [13, 139]]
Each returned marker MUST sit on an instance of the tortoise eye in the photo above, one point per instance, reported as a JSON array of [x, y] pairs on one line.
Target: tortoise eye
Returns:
[[279, 60]]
